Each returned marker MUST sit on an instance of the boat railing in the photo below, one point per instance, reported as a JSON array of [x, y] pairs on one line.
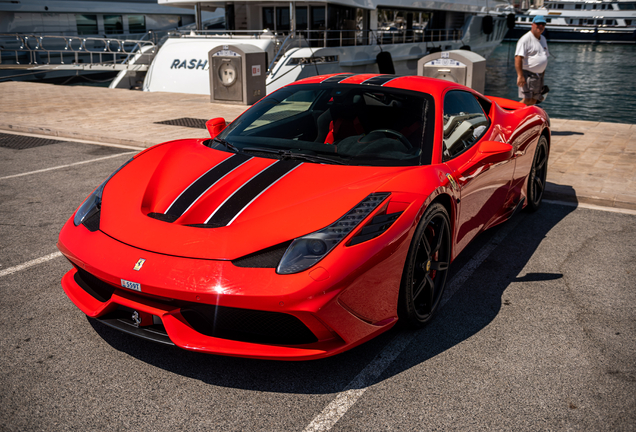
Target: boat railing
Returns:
[[328, 38], [61, 52], [333, 38], [228, 34]]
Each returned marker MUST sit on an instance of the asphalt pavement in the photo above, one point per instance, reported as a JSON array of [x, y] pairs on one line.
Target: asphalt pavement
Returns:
[[539, 334]]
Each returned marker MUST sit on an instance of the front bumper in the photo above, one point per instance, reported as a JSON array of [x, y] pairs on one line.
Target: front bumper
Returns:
[[172, 287]]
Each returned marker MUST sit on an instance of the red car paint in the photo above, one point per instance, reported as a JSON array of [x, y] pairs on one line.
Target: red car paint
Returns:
[[350, 295]]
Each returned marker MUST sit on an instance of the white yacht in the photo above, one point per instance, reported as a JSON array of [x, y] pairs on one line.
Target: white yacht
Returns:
[[36, 32], [602, 21], [306, 38], [300, 39]]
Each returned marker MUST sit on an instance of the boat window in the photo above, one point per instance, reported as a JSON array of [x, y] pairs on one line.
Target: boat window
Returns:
[[157, 22], [136, 24], [317, 26], [628, 22], [577, 6], [277, 19], [317, 17], [627, 6], [301, 18], [560, 6], [86, 24], [338, 123], [282, 19], [268, 18], [464, 122], [548, 20], [113, 24]]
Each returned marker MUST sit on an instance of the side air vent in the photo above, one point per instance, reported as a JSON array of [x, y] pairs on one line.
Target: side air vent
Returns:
[[248, 325], [377, 226], [96, 287], [266, 258], [163, 217], [92, 223]]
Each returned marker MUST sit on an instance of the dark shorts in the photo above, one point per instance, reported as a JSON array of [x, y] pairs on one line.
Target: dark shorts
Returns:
[[533, 87]]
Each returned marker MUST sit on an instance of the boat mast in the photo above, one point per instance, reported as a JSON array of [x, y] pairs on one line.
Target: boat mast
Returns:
[[292, 18], [197, 16]]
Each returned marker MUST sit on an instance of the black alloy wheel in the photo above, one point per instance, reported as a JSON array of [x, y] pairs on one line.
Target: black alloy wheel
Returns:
[[538, 175], [426, 268]]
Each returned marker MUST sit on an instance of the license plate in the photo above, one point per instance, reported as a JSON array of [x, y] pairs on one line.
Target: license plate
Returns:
[[131, 285]]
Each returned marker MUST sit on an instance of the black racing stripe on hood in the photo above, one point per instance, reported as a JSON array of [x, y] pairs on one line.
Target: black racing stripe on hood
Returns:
[[337, 78], [197, 188], [379, 80], [243, 196]]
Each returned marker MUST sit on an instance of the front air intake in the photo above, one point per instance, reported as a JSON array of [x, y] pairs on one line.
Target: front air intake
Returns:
[[248, 325], [96, 287]]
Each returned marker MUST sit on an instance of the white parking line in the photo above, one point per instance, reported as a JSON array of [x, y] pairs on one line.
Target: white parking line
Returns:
[[66, 166], [31, 263], [67, 139], [356, 388], [593, 207]]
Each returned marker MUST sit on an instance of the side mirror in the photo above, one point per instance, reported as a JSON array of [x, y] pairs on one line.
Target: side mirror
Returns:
[[491, 152], [215, 126]]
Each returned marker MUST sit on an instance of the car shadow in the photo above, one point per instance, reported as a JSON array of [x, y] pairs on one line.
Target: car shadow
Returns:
[[555, 191], [475, 304], [565, 133]]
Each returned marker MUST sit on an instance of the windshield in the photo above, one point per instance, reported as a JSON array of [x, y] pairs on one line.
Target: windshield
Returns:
[[336, 123]]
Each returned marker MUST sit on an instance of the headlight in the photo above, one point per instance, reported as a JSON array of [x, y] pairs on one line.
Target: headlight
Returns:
[[93, 203], [306, 251]]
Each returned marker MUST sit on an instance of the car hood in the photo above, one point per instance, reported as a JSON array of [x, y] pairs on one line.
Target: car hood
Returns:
[[188, 200]]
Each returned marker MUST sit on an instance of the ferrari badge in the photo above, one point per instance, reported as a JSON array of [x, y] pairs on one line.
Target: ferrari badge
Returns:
[[452, 181], [139, 264]]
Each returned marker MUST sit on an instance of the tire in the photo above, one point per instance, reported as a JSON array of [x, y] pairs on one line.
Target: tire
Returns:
[[426, 268], [538, 175]]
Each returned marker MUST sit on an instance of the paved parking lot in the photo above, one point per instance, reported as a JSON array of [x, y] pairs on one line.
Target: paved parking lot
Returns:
[[539, 334]]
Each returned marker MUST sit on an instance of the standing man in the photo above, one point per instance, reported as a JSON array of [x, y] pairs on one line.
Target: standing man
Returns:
[[531, 59]]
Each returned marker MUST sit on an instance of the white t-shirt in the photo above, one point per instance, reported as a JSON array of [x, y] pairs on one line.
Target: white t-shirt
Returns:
[[534, 52]]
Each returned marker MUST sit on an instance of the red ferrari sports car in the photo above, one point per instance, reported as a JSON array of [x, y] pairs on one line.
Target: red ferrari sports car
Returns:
[[312, 223]]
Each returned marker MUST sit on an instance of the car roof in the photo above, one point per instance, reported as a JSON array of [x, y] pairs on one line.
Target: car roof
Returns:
[[433, 86]]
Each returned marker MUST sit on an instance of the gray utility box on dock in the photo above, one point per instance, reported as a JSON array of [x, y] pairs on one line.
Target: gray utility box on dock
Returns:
[[237, 74], [460, 66]]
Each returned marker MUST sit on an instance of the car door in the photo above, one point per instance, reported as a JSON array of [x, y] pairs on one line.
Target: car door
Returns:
[[483, 184]]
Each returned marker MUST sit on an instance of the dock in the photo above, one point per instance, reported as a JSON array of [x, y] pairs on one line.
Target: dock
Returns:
[[590, 162]]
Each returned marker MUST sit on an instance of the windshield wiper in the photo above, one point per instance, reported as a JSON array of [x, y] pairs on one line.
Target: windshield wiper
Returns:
[[310, 158], [288, 154], [226, 144]]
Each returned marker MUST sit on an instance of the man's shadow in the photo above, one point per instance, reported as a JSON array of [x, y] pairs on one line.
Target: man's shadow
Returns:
[[476, 303]]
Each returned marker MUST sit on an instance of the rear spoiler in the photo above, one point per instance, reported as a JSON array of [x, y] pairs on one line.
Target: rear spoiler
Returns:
[[506, 103]]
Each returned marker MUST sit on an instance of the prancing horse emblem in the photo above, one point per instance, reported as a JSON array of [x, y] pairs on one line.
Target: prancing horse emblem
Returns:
[[139, 264], [136, 318]]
